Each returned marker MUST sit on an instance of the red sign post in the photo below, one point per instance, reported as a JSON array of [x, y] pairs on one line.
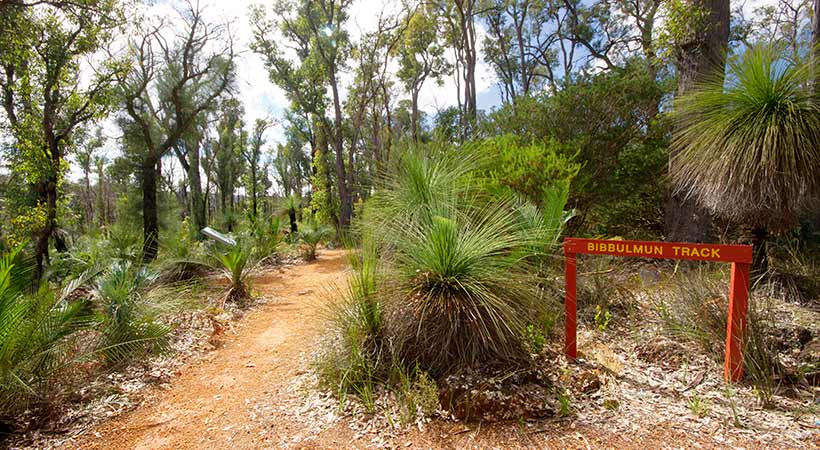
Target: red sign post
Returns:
[[739, 255]]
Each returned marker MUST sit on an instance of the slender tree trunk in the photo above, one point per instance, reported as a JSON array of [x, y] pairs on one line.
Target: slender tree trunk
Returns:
[[345, 206], [701, 57], [389, 117], [197, 202], [756, 236], [150, 211], [414, 117], [253, 190], [88, 200], [292, 217]]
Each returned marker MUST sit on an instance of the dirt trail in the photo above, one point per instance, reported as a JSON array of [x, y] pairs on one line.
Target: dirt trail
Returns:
[[216, 401], [246, 394]]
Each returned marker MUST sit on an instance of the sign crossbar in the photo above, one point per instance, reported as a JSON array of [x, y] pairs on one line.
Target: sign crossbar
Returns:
[[740, 256]]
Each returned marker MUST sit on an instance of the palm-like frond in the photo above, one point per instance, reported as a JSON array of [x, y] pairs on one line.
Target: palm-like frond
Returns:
[[311, 235], [747, 148], [37, 334], [129, 330]]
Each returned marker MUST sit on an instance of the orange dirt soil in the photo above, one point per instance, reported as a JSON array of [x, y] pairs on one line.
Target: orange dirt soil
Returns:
[[241, 395]]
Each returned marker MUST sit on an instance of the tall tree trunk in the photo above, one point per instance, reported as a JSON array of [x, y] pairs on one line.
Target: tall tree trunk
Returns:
[[414, 115], [197, 202], [89, 202], [150, 211], [253, 191], [700, 58], [345, 206], [47, 194], [389, 118], [292, 218]]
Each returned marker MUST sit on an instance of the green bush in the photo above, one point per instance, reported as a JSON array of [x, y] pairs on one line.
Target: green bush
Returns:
[[311, 235], [39, 336], [235, 268], [129, 329], [532, 170]]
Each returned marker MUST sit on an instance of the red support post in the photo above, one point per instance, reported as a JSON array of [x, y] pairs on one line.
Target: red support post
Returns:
[[736, 323], [570, 345]]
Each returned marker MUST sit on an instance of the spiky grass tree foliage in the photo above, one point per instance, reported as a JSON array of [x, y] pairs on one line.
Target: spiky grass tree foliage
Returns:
[[457, 288], [748, 147]]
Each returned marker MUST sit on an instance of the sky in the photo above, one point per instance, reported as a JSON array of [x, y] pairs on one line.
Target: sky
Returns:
[[263, 99]]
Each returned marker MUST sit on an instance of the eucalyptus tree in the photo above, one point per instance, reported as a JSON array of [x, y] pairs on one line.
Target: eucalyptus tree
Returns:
[[231, 139], [421, 57], [86, 148], [177, 76], [252, 153], [47, 98], [701, 44], [315, 31], [459, 28]]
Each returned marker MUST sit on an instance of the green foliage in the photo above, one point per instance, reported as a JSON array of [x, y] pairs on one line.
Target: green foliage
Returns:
[[39, 335], [267, 237], [452, 251], [607, 123], [323, 204], [311, 234], [234, 266], [747, 148], [532, 170], [129, 329], [602, 318], [536, 340], [698, 406]]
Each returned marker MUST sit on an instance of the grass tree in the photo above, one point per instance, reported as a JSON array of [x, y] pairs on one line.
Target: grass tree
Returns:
[[747, 147], [461, 288]]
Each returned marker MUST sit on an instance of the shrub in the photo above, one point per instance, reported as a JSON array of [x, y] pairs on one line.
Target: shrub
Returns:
[[39, 335], [267, 237], [234, 266], [310, 236], [129, 329]]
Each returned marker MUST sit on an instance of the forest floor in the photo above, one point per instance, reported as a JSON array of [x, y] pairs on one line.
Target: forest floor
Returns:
[[256, 389]]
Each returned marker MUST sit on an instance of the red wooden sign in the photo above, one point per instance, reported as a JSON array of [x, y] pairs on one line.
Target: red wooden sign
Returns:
[[739, 255]]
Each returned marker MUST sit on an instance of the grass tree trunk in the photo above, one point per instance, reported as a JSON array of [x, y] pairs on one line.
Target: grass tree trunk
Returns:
[[757, 236], [292, 217], [699, 58]]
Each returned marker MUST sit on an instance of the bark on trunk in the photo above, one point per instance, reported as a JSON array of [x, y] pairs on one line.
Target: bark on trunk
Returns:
[[414, 117], [345, 207], [197, 202], [150, 213], [757, 237], [815, 40], [700, 58], [292, 218]]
